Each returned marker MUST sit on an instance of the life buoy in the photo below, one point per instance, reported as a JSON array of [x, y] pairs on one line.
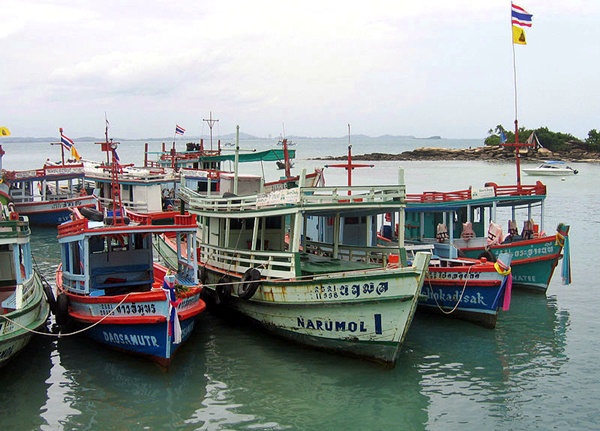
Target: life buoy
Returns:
[[249, 284], [223, 290], [62, 310]]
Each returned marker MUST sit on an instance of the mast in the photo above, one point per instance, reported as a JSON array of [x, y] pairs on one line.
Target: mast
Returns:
[[349, 166], [211, 123]]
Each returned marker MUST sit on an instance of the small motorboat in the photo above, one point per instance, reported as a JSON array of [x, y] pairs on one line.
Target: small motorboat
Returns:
[[551, 168]]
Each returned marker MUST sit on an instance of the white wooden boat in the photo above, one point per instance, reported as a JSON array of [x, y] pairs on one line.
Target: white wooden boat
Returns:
[[259, 257]]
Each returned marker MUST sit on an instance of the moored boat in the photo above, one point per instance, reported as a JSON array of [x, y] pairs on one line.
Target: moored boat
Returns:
[[109, 284], [464, 216], [287, 260], [551, 168], [47, 195], [468, 289], [24, 302]]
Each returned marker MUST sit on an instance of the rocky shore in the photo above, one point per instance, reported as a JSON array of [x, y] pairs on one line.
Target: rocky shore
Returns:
[[488, 153]]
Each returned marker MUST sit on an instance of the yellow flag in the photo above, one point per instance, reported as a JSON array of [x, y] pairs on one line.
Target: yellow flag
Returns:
[[74, 153], [518, 35], [4, 131]]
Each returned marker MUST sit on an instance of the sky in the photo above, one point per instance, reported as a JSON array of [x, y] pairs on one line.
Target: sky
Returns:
[[303, 68]]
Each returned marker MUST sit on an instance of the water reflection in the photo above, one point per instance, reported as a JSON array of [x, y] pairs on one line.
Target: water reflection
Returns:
[[486, 375], [24, 389]]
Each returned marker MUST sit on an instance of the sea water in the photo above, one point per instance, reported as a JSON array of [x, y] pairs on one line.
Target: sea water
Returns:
[[536, 371]]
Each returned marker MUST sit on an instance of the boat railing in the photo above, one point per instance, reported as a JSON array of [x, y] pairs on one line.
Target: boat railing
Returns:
[[374, 254], [458, 195], [73, 227], [271, 264], [304, 196], [537, 189], [135, 206], [14, 227]]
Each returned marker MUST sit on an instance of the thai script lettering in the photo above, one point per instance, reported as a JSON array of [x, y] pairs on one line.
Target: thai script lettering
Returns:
[[541, 250], [187, 302], [453, 275], [6, 353], [66, 204], [350, 290], [128, 309]]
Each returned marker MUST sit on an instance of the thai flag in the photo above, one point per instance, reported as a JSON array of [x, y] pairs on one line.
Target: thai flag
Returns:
[[66, 142], [168, 287], [520, 16], [179, 130]]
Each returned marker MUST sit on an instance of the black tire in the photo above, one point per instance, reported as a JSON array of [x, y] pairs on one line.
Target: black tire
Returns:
[[249, 284], [223, 290], [91, 214], [62, 310], [50, 297]]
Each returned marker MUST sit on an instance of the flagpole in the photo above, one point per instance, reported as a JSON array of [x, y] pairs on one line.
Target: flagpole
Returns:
[[62, 148]]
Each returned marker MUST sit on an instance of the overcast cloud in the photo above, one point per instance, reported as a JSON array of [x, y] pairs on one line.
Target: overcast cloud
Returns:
[[310, 68]]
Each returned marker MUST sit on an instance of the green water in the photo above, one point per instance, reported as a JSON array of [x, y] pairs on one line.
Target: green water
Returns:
[[536, 371]]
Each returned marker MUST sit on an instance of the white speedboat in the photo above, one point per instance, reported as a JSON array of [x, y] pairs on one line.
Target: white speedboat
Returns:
[[551, 167]]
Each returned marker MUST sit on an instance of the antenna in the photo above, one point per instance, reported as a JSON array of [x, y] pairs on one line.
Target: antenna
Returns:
[[211, 123]]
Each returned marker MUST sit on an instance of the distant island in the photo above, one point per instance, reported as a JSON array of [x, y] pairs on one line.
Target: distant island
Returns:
[[576, 153], [228, 137]]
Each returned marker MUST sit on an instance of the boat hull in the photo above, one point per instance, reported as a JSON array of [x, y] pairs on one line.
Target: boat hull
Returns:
[[533, 261], [364, 316], [137, 324], [55, 212], [474, 296], [16, 329]]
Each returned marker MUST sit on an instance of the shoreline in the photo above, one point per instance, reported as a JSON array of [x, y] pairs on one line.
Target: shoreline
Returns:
[[486, 153]]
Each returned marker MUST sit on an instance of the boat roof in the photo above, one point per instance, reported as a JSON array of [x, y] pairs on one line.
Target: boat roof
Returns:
[[84, 227], [48, 172], [256, 156], [317, 201]]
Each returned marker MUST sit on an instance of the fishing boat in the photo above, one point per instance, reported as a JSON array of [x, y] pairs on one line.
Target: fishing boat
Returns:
[[462, 218], [109, 284], [554, 168], [289, 260], [24, 300], [47, 195], [473, 290]]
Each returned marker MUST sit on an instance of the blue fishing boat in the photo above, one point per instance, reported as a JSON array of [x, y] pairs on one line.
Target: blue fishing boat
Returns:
[[110, 286], [48, 194]]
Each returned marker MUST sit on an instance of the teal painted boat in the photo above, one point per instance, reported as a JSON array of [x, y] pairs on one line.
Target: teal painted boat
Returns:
[[24, 301], [462, 218]]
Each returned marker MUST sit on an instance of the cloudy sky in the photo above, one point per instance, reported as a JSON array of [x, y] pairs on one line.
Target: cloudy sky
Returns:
[[310, 67]]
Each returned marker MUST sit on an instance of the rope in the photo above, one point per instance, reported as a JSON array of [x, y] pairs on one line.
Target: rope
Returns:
[[60, 334], [459, 299]]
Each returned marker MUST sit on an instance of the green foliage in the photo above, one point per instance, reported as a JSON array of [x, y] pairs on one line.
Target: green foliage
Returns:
[[593, 140], [554, 141]]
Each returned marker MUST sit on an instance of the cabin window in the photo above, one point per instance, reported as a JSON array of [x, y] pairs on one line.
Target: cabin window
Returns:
[[273, 222], [141, 241], [97, 245], [119, 242], [76, 263]]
